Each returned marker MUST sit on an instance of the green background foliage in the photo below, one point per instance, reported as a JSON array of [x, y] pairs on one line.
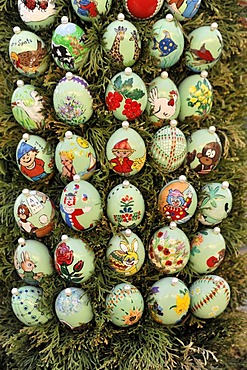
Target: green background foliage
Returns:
[[193, 344]]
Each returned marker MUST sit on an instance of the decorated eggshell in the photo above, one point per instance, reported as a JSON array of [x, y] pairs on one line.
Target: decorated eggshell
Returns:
[[34, 158], [215, 203], [27, 306], [169, 249], [122, 40], [168, 42], [126, 151], [34, 213], [205, 48], [196, 97], [163, 100], [183, 10], [80, 205], [67, 47], [27, 106], [204, 150], [72, 100], [143, 9], [210, 296], [75, 155], [126, 95], [89, 10], [178, 200], [124, 305], [37, 15], [169, 147], [74, 260], [32, 261], [125, 253], [207, 250], [125, 205], [27, 53], [73, 307], [168, 301]]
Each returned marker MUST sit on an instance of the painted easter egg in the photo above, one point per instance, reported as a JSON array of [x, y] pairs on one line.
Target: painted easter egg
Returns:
[[34, 213], [163, 100], [169, 249], [125, 253], [168, 301], [27, 305], [72, 100], [74, 260], [37, 14], [32, 261], [89, 10], [126, 151], [204, 150], [205, 48], [167, 44], [125, 205], [196, 97], [183, 10], [169, 147], [27, 53], [27, 107], [207, 250], [178, 200], [73, 307], [124, 305], [215, 203], [34, 158], [143, 9], [126, 95], [75, 155], [80, 205], [210, 296]]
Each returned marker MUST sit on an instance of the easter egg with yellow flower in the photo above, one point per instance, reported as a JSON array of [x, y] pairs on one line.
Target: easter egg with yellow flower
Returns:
[[168, 301], [196, 97]]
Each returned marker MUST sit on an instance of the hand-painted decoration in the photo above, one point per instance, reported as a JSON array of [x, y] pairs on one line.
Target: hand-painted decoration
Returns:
[[80, 205], [178, 200], [34, 213], [196, 97], [27, 106], [126, 151], [27, 53], [168, 42], [183, 10], [74, 260], [204, 150], [125, 205], [125, 253], [124, 305], [163, 100], [75, 155], [32, 261], [68, 45], [73, 307], [169, 249], [215, 203], [35, 158], [27, 305], [205, 48], [37, 14], [143, 9], [122, 40], [168, 301], [207, 250], [88, 10], [126, 95], [72, 100], [210, 296], [169, 147]]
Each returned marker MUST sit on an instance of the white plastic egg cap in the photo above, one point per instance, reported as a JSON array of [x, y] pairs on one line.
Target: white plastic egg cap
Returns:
[[164, 75], [16, 29], [68, 291], [212, 129], [173, 225], [182, 178], [68, 134], [173, 123], [128, 232], [26, 136], [217, 278], [174, 281], [25, 192], [20, 83], [127, 287], [21, 241], [204, 74], [217, 230], [14, 291], [64, 238], [225, 185], [169, 17], [69, 75], [120, 17], [214, 26], [64, 20], [76, 178], [125, 125], [128, 71], [126, 184]]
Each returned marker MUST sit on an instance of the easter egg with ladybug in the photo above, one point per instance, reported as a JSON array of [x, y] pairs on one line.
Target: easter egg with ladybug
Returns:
[[37, 14], [143, 9]]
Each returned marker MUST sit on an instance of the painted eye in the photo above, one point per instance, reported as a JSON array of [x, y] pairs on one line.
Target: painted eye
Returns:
[[212, 154], [208, 153]]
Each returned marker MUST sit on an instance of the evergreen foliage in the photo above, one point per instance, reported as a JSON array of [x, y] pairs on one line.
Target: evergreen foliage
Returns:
[[194, 343]]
